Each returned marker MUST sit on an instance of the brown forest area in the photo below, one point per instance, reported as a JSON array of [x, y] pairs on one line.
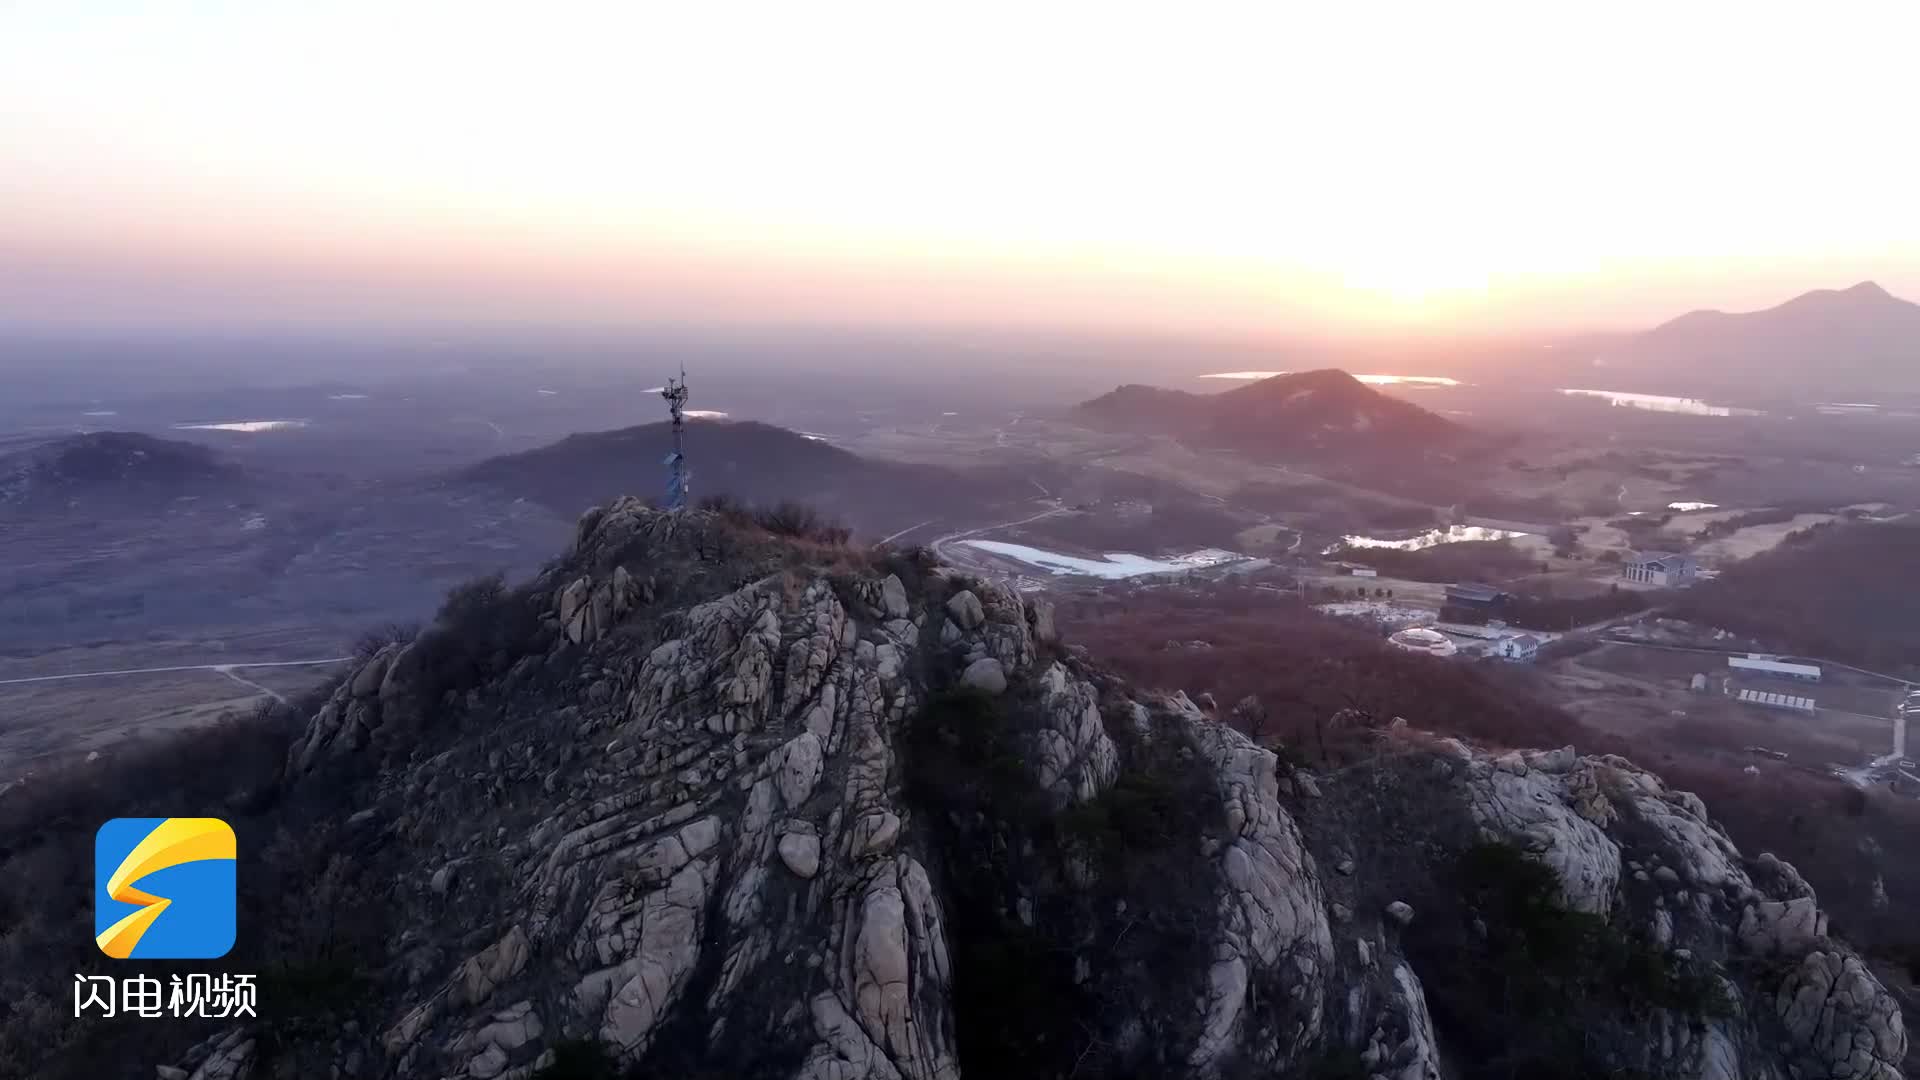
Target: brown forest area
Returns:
[[1848, 591], [1842, 840], [1306, 669], [1472, 560]]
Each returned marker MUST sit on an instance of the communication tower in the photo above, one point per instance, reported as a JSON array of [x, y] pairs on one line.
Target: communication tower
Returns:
[[678, 475]]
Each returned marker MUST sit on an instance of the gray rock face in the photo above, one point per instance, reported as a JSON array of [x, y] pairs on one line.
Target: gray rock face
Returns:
[[1074, 759], [1413, 1056], [965, 608], [1274, 914], [588, 611], [724, 845], [1534, 808], [801, 853], [1841, 1020], [1789, 927], [893, 593], [401, 669], [799, 762], [985, 675], [1040, 617], [366, 682], [1573, 816]]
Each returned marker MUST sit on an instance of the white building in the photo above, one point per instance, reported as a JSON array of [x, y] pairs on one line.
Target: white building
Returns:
[[1662, 568], [1420, 640], [1761, 665], [1520, 648]]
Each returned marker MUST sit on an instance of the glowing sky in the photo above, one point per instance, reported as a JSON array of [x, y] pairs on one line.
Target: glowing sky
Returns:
[[1246, 166]]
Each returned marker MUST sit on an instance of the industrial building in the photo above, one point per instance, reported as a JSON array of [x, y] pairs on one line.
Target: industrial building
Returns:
[[1662, 568], [1765, 665], [1778, 701], [1468, 594]]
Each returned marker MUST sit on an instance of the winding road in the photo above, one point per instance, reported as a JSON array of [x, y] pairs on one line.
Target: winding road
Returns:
[[224, 669], [903, 532], [939, 545]]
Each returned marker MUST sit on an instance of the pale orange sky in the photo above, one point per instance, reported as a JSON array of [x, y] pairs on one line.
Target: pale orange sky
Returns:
[[1353, 168]]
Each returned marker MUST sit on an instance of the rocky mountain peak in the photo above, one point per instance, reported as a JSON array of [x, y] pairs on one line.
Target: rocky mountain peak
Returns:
[[727, 804]]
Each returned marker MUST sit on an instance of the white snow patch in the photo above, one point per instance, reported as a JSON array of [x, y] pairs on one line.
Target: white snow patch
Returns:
[[1453, 534], [1662, 403], [1112, 565], [249, 426]]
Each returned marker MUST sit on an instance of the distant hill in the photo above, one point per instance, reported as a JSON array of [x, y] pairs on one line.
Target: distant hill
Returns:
[[757, 463], [1828, 341], [116, 468], [1844, 591], [1314, 415]]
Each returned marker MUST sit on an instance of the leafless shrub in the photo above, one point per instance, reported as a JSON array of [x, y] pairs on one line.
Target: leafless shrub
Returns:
[[373, 640]]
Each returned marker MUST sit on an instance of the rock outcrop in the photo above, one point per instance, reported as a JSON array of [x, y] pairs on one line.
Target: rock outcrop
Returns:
[[707, 838]]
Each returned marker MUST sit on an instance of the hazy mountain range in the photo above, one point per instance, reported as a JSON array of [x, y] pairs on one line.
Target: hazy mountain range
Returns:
[[1829, 341]]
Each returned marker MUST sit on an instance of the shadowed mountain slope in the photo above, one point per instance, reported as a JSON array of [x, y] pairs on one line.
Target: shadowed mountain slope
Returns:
[[758, 464], [114, 469]]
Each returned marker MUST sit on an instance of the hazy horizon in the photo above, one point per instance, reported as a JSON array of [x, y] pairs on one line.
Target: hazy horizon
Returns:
[[1480, 171]]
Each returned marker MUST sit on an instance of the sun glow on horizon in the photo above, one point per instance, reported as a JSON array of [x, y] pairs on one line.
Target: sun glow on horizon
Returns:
[[1235, 164]]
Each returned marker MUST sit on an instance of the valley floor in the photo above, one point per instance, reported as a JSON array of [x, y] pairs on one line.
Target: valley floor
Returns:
[[47, 720]]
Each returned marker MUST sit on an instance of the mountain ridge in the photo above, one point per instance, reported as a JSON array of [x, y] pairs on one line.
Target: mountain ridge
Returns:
[[126, 467], [1863, 291], [1309, 414], [698, 800], [753, 462], [1858, 338], [757, 842]]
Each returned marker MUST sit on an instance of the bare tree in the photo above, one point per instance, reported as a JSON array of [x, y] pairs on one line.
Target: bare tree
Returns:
[[1250, 716]]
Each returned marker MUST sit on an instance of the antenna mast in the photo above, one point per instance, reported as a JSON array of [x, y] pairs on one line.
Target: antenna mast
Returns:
[[678, 474]]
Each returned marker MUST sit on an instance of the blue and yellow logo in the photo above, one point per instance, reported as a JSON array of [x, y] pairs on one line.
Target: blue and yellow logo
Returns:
[[163, 888]]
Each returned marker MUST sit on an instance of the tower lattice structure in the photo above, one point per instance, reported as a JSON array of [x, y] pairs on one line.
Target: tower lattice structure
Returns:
[[678, 475]]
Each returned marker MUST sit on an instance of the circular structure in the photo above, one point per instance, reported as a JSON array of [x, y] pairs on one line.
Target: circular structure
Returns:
[[1421, 640]]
